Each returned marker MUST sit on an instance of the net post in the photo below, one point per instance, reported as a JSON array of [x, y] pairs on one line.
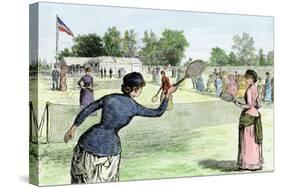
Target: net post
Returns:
[[47, 121]]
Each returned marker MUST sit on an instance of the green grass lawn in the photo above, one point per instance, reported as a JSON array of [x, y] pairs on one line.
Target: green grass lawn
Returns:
[[198, 137], [184, 95]]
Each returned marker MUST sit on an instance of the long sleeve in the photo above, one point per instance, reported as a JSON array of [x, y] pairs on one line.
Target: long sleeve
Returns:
[[267, 82], [149, 112], [251, 98], [168, 81], [79, 82], [87, 111]]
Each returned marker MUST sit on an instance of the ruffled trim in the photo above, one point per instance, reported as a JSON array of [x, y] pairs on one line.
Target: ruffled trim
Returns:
[[244, 166]]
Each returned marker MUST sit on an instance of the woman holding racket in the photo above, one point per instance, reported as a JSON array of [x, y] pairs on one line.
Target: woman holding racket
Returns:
[[250, 128], [96, 157], [165, 85]]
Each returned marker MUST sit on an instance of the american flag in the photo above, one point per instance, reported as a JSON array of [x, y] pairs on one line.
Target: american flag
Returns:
[[62, 27]]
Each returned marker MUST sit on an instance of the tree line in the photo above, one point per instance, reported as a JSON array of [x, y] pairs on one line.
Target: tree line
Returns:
[[243, 54], [168, 49]]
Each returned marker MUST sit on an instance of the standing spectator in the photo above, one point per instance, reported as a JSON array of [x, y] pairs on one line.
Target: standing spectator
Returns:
[[194, 83], [101, 72], [63, 85], [110, 72], [242, 86], [104, 72], [267, 85], [119, 73], [74, 83], [220, 72], [55, 78], [173, 73], [231, 86], [260, 89], [236, 78], [250, 127], [200, 84], [157, 74], [218, 84], [153, 75], [215, 72], [224, 76], [211, 83], [87, 89]]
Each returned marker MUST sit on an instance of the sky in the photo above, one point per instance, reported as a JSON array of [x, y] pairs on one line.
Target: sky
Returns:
[[203, 31]]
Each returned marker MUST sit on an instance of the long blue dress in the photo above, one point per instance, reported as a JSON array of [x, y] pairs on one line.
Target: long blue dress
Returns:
[[200, 84], [218, 85], [86, 95], [267, 91]]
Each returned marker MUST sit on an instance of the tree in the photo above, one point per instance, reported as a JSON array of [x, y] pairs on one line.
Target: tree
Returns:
[[112, 42], [261, 58], [149, 53], [270, 57], [218, 57], [232, 59], [129, 42], [65, 53], [172, 46], [244, 48], [87, 46]]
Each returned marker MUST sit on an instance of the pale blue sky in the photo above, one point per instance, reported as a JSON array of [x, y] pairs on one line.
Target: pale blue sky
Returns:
[[202, 30]]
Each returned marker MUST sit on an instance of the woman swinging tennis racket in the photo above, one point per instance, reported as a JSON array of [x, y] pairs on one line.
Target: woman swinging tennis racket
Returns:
[[96, 156]]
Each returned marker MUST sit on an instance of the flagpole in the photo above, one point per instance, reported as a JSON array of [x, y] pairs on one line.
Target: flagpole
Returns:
[[57, 39]]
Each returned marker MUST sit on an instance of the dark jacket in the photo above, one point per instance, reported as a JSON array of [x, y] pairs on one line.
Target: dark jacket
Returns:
[[117, 111], [55, 74]]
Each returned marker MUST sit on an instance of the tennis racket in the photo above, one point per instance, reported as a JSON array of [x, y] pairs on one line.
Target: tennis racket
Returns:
[[227, 97], [194, 69], [230, 98]]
